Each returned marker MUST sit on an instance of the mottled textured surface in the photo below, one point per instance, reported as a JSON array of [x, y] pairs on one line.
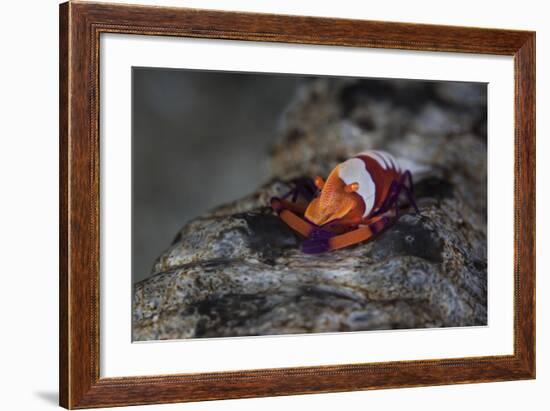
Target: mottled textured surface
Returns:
[[238, 269]]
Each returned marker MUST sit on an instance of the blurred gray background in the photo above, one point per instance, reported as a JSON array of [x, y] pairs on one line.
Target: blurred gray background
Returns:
[[200, 139]]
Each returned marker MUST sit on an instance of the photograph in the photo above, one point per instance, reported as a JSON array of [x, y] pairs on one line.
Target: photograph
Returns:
[[247, 205], [273, 204]]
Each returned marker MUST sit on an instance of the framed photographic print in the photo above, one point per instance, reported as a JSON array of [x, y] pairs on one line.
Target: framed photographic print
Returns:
[[256, 205]]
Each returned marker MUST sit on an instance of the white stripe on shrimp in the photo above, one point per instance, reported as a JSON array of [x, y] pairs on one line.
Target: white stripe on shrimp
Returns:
[[389, 159], [354, 171], [376, 157]]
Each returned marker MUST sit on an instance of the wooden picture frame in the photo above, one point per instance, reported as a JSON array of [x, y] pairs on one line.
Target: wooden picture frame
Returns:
[[80, 27]]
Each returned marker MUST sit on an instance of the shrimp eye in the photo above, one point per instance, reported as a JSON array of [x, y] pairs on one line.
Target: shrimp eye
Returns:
[[350, 188], [319, 182]]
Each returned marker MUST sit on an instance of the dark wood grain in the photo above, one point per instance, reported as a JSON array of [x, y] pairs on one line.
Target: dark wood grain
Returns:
[[63, 205], [525, 203], [80, 27]]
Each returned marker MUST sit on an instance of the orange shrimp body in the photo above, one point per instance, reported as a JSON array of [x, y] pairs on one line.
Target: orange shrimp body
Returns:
[[355, 189], [356, 200]]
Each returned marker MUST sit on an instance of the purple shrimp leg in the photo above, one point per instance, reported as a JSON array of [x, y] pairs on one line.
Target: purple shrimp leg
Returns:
[[409, 190], [317, 242], [391, 198], [302, 186]]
